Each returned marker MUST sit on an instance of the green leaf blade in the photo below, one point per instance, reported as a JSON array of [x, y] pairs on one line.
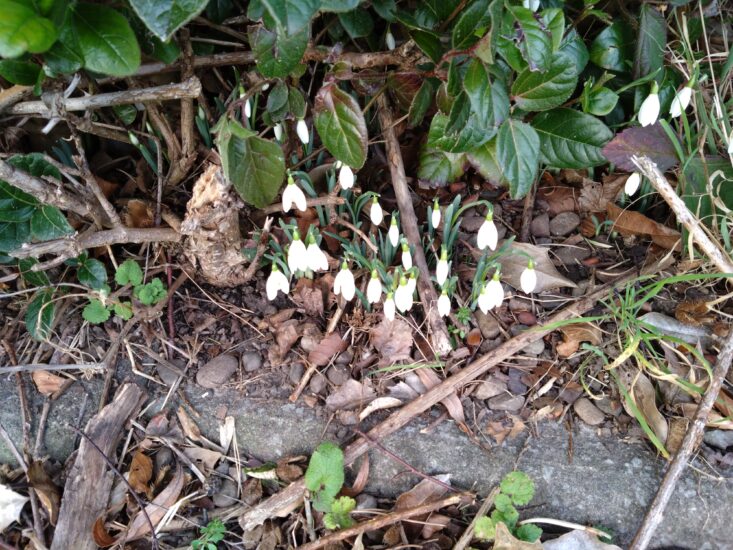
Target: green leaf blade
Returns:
[[341, 125], [164, 17], [518, 152], [535, 91], [23, 30]]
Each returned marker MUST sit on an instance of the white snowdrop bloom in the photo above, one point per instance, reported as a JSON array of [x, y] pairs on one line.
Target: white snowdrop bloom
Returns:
[[293, 195], [495, 291], [435, 215], [317, 260], [265, 86], [301, 128], [394, 232], [531, 4], [487, 234], [406, 256], [344, 283], [346, 177], [681, 101], [276, 282], [403, 296], [484, 300], [528, 278], [442, 269], [297, 254], [389, 307], [649, 110], [278, 129], [730, 143], [632, 183], [247, 108], [389, 40], [444, 304], [412, 283], [375, 212], [374, 288]]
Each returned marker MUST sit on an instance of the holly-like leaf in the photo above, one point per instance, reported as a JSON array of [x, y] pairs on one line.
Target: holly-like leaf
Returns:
[[534, 41], [536, 91], [15, 71], [105, 39], [130, 272], [518, 152], [277, 54], [651, 43], [571, 139], [519, 487], [255, 166], [164, 17], [438, 168], [95, 312], [23, 30], [341, 125], [325, 475], [650, 141], [39, 315]]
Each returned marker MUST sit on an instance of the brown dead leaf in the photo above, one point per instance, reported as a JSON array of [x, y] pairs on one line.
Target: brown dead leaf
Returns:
[[140, 527], [207, 457], [434, 524], [452, 403], [360, 482], [48, 493], [642, 392], [309, 296], [285, 337], [548, 277], [101, 537], [559, 199], [574, 334], [629, 222], [379, 404], [594, 197], [190, 429], [474, 338], [505, 540], [349, 395], [274, 321], [331, 344], [714, 420], [47, 383], [288, 472], [138, 214], [694, 312], [393, 340], [141, 471], [425, 491]]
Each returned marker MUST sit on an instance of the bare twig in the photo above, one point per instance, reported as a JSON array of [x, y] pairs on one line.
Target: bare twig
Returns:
[[318, 201], [656, 511], [189, 88], [38, 367], [261, 248], [468, 534], [389, 519], [13, 449], [428, 296]]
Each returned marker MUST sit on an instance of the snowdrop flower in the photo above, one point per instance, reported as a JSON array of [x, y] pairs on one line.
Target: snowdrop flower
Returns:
[[247, 108], [389, 307], [531, 4], [277, 281], [441, 270], [435, 216], [444, 304], [487, 233], [301, 128], [730, 143], [278, 129], [492, 295], [528, 278], [632, 183], [649, 110], [403, 296], [375, 212], [317, 260], [412, 282], [374, 288], [681, 101], [344, 282], [389, 40], [297, 254], [265, 86], [346, 177], [406, 255], [394, 232], [293, 195]]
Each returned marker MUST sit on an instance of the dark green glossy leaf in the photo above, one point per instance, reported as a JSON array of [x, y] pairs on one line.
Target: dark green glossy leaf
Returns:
[[218, 10], [13, 235], [438, 168], [277, 101], [277, 54], [612, 48], [474, 16], [49, 223], [167, 52], [571, 139], [289, 17], [518, 153], [164, 17], [489, 101], [484, 161], [39, 315], [23, 30], [429, 43], [536, 91], [126, 113], [534, 41], [341, 125], [385, 9], [651, 43], [339, 6], [554, 20], [486, 46], [357, 23], [574, 47], [17, 214], [92, 273], [33, 278], [421, 102], [36, 165], [599, 102], [19, 72]]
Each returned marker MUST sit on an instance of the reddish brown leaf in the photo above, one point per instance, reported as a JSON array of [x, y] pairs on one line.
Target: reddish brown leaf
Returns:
[[331, 344], [48, 493], [309, 296], [46, 382], [141, 471], [101, 537], [650, 141], [189, 427], [156, 510], [630, 222], [473, 338], [559, 199]]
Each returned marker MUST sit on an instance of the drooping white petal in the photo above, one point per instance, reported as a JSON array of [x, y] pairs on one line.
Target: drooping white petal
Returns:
[[394, 234], [247, 108], [680, 102], [301, 128], [374, 290], [375, 213], [389, 41], [297, 256], [649, 110], [317, 260], [531, 4], [344, 284], [487, 235], [484, 300], [495, 292], [435, 218], [632, 183], [730, 143], [443, 305], [528, 280], [389, 307], [278, 129], [403, 298], [293, 195], [406, 258], [412, 283], [346, 177], [276, 282], [441, 271]]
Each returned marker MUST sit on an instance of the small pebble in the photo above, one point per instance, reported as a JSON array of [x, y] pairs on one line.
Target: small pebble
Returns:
[[251, 361], [506, 402], [540, 226], [588, 412], [564, 224], [490, 388], [227, 495], [337, 375], [296, 373], [317, 383], [535, 348], [365, 502], [216, 372], [515, 384]]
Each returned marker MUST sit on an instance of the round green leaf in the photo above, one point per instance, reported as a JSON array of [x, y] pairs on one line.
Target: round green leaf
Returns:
[[164, 17], [612, 48], [277, 54], [571, 139], [535, 91], [518, 152], [19, 72], [599, 102], [341, 125], [105, 40], [23, 30]]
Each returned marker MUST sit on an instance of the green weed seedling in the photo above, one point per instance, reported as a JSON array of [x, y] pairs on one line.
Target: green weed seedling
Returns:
[[98, 310], [212, 533], [324, 478], [516, 489]]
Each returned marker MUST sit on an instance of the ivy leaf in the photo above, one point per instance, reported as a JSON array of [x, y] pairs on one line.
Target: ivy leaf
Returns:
[[24, 73], [535, 91], [325, 475], [438, 168], [130, 272], [650, 141], [341, 125], [95, 312], [164, 17], [92, 273], [611, 49], [534, 41], [651, 43], [105, 39], [23, 30], [49, 223], [255, 166], [519, 486], [475, 16], [39, 315], [277, 54], [571, 139], [33, 278], [518, 152]]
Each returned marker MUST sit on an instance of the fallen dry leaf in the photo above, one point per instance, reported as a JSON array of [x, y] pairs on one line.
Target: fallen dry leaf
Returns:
[[100, 534], [138, 213], [513, 264], [226, 433], [308, 295], [434, 524], [349, 395], [47, 383], [11, 504], [207, 457], [694, 312], [48, 493], [576, 333], [393, 340], [473, 338], [630, 222], [189, 427], [330, 345], [157, 508], [714, 420], [452, 403], [559, 199], [650, 141], [594, 197], [379, 404], [642, 392], [425, 491], [286, 335], [141, 471]]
